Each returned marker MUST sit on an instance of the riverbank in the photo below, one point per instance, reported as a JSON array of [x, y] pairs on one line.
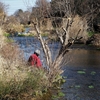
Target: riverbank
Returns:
[[18, 81]]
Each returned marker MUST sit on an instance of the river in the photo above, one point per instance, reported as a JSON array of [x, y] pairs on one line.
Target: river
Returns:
[[82, 73]]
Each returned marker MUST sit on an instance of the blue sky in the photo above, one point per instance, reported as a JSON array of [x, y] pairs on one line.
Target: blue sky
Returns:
[[18, 4]]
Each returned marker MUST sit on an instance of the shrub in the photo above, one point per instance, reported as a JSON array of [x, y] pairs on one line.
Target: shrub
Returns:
[[34, 84]]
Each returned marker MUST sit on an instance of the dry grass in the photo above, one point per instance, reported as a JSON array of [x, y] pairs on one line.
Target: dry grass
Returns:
[[17, 80], [10, 58], [79, 23]]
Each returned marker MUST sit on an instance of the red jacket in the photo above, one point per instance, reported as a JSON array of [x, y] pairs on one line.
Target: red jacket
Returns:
[[35, 60]]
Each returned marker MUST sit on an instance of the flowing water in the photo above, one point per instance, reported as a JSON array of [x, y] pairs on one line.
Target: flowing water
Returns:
[[82, 73]]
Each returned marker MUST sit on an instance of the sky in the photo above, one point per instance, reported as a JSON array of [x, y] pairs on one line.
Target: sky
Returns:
[[14, 5]]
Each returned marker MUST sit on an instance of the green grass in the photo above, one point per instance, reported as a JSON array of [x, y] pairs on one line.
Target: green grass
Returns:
[[9, 40], [6, 34], [30, 35], [21, 35], [44, 34], [90, 33]]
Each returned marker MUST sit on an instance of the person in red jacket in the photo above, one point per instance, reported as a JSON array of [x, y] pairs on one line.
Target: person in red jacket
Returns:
[[34, 59]]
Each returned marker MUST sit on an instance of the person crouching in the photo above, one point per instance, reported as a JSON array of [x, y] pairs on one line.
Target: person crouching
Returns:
[[34, 59]]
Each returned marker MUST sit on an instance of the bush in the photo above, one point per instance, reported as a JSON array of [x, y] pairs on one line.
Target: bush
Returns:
[[34, 84]]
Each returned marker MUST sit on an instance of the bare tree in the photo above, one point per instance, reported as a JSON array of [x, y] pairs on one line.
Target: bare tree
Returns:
[[89, 8], [42, 6], [66, 41], [19, 14], [22, 16], [41, 9], [3, 11]]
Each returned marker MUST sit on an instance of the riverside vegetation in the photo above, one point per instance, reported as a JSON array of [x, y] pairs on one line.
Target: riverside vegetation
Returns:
[[18, 81], [22, 82]]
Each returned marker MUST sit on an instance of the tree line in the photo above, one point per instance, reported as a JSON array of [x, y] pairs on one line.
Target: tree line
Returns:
[[54, 8]]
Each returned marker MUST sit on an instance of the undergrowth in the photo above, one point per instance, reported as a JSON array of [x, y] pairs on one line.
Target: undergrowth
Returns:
[[18, 81], [34, 85]]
